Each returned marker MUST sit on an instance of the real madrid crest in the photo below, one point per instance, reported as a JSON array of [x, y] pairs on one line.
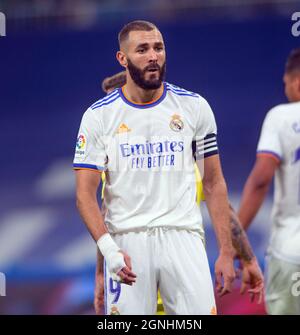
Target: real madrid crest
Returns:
[[176, 123], [114, 311]]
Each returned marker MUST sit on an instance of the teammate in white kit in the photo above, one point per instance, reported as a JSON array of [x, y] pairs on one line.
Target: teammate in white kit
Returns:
[[141, 135], [278, 154]]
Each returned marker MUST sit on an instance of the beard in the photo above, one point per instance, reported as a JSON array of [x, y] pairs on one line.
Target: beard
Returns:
[[138, 75]]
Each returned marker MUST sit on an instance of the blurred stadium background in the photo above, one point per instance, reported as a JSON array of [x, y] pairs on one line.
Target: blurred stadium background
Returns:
[[52, 62]]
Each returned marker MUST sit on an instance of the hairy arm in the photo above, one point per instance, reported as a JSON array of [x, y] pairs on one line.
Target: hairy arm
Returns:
[[87, 183], [256, 188], [215, 192], [118, 262], [239, 238], [99, 285], [252, 276]]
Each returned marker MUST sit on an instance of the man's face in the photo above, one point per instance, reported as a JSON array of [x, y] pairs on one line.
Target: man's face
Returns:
[[292, 86], [146, 58]]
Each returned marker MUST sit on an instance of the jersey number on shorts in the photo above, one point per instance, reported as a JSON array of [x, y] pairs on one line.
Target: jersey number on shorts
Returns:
[[115, 289]]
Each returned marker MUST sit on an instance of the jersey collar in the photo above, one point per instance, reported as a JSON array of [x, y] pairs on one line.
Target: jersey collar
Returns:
[[144, 105]]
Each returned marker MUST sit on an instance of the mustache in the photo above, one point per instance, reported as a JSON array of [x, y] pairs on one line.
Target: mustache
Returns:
[[152, 67]]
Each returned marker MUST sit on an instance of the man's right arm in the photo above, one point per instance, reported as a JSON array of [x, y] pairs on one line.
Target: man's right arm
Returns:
[[119, 263], [87, 183]]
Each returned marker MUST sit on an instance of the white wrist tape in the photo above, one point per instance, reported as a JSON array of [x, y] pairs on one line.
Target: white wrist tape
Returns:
[[111, 252]]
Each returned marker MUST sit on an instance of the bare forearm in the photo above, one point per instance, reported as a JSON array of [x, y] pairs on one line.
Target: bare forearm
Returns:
[[91, 215], [239, 238], [252, 199], [217, 203], [99, 262]]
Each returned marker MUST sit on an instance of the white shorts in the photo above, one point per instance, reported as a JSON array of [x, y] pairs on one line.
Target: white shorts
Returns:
[[173, 261], [282, 287]]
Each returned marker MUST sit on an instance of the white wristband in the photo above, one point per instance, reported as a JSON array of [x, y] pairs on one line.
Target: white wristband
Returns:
[[111, 252]]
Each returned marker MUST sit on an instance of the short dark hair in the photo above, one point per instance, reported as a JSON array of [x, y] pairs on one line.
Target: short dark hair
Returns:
[[293, 62], [115, 81], [138, 25]]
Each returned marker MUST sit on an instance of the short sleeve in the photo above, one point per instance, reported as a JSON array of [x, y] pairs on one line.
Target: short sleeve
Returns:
[[205, 140], [269, 141], [90, 147]]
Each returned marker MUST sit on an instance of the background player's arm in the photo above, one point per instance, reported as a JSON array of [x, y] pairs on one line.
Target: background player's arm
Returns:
[[240, 241], [256, 187], [99, 284], [251, 272], [87, 183], [215, 192]]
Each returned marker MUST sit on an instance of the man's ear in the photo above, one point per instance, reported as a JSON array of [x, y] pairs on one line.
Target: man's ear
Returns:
[[122, 59]]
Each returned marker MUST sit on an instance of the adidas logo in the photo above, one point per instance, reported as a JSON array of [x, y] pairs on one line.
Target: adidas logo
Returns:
[[123, 128]]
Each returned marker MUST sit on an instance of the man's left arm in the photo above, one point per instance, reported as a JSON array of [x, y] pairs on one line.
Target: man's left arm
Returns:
[[215, 192]]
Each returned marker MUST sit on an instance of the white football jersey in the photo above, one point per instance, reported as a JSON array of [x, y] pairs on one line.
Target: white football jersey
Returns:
[[146, 153], [280, 138]]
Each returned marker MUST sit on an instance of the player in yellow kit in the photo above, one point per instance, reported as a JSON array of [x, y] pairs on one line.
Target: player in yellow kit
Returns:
[[251, 272]]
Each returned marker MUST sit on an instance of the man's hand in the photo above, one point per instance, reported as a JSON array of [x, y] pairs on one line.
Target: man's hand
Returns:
[[126, 274], [99, 293], [252, 277], [224, 268], [117, 261]]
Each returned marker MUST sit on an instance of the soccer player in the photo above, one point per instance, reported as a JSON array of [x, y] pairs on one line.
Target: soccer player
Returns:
[[118, 80], [141, 136], [278, 154], [251, 273]]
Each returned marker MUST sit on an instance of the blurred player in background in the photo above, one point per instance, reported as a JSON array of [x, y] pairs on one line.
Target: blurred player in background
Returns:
[[118, 80], [278, 154], [251, 273]]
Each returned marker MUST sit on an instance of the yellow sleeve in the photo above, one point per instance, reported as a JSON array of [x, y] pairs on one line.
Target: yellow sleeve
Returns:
[[103, 185], [199, 186]]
